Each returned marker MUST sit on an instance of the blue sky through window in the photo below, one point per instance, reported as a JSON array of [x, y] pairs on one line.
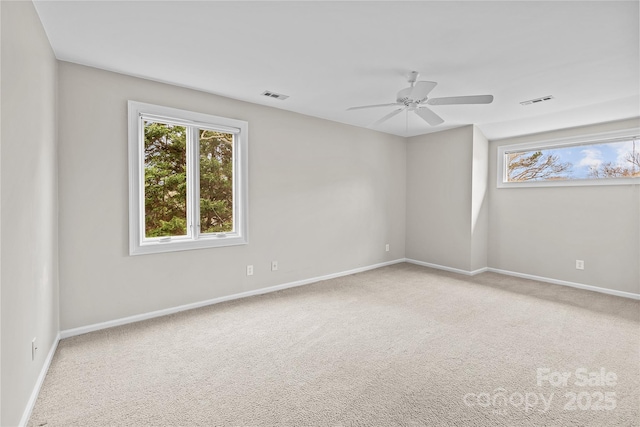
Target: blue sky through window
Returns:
[[591, 161]]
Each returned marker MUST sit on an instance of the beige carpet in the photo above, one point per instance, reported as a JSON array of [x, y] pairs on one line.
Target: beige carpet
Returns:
[[398, 346]]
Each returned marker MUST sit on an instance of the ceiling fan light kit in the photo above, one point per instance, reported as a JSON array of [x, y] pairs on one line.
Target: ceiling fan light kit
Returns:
[[415, 98]]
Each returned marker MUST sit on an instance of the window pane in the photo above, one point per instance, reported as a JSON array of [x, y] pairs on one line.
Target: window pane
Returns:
[[216, 182], [618, 159], [165, 179]]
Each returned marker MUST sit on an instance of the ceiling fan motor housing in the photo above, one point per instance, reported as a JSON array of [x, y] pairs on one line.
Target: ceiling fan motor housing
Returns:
[[403, 97]]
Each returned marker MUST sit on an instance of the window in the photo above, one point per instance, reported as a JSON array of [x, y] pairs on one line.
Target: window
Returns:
[[603, 159], [187, 180]]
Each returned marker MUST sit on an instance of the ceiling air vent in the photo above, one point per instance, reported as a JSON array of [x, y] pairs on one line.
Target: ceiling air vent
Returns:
[[537, 100], [270, 94]]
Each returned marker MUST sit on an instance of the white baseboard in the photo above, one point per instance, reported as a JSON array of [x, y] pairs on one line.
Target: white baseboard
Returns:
[[158, 313], [137, 318], [36, 389], [567, 283], [445, 268], [527, 276]]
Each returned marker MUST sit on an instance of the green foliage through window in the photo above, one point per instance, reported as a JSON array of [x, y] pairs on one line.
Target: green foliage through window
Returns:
[[165, 180], [216, 182]]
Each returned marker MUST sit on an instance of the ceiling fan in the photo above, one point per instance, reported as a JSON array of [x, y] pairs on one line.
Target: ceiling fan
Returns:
[[414, 98]]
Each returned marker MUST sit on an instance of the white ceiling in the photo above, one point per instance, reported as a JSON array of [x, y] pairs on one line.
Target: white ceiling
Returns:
[[328, 56]]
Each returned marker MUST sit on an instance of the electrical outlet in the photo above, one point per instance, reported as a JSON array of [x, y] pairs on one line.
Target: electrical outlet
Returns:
[[579, 264], [386, 248], [34, 348], [249, 270], [274, 265]]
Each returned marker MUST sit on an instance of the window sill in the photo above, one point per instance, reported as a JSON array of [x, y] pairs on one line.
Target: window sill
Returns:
[[159, 246], [570, 183]]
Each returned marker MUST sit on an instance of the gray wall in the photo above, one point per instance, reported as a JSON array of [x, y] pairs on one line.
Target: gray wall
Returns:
[[28, 170], [323, 198], [479, 201], [447, 220], [542, 231]]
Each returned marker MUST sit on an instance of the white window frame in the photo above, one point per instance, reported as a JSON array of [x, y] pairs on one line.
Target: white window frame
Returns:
[[595, 138], [138, 243]]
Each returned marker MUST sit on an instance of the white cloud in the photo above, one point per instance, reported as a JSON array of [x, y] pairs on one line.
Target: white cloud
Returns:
[[592, 157]]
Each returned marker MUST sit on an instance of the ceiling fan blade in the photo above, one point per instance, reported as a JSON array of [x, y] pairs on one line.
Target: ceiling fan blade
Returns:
[[429, 116], [372, 106], [388, 116], [421, 90], [474, 99]]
